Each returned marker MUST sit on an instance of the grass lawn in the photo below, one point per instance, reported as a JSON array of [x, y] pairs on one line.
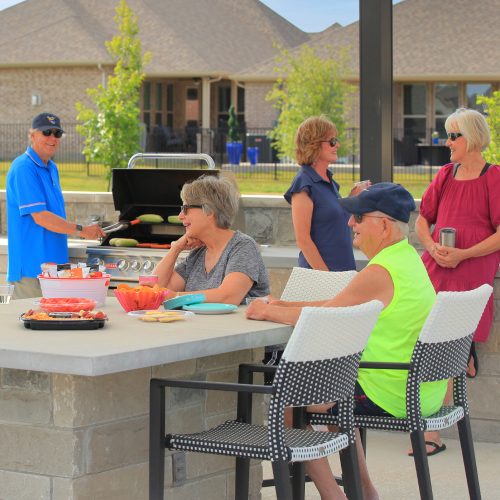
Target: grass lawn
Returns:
[[74, 177]]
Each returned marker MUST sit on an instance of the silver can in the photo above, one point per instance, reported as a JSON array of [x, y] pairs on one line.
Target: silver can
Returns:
[[447, 236]]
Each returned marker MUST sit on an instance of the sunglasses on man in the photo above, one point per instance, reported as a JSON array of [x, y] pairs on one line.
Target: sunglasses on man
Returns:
[[453, 136], [359, 217], [55, 132], [333, 141]]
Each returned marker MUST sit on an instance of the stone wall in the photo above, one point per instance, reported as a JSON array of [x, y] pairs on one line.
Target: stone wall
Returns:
[[105, 455], [266, 218]]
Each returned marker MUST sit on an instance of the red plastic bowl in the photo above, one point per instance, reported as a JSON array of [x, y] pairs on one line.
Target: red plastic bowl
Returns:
[[66, 304], [131, 301]]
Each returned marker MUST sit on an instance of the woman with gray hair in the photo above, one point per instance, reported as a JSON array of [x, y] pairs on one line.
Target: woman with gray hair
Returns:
[[225, 265], [464, 196]]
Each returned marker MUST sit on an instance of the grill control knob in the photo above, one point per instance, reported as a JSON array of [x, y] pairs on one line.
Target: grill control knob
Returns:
[[135, 265], [122, 265], [148, 266], [96, 261]]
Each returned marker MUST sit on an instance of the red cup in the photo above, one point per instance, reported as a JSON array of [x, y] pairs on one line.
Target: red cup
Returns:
[[148, 280]]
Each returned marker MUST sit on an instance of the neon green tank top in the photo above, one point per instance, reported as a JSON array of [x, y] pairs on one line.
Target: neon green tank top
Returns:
[[396, 333]]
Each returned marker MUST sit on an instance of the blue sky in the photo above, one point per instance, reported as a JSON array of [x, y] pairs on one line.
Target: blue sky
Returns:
[[308, 15]]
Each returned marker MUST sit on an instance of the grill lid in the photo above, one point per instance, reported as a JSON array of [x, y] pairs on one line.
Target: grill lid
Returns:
[[150, 187]]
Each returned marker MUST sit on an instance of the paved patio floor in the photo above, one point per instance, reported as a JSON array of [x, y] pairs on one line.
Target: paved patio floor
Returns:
[[393, 472]]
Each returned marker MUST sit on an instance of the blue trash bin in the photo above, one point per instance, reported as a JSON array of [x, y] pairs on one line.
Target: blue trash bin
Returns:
[[253, 155]]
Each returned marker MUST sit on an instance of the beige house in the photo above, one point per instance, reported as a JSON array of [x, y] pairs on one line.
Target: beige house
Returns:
[[207, 54]]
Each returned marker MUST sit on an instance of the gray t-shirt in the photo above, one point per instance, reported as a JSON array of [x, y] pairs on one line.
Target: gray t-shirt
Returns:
[[241, 255]]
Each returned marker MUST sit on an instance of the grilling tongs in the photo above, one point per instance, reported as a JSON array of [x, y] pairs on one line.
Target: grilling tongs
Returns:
[[121, 224]]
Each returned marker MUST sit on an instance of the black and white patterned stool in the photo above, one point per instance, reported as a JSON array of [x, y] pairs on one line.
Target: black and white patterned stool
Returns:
[[319, 365], [441, 352]]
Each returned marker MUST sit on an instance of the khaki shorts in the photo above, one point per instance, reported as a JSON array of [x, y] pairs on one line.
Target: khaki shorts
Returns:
[[26, 288]]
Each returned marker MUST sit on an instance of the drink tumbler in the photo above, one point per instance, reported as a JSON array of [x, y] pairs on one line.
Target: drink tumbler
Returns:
[[447, 236]]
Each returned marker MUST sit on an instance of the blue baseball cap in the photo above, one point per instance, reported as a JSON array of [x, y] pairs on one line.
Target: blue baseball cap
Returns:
[[46, 121], [391, 199]]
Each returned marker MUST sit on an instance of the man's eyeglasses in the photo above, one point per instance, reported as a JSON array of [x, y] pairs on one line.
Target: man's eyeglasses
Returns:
[[333, 141], [185, 208], [453, 136], [55, 132], [359, 217]]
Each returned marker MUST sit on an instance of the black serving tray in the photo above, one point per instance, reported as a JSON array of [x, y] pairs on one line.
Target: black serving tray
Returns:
[[66, 324]]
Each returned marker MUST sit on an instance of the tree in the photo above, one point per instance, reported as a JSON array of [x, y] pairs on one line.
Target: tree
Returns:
[[233, 132], [112, 130], [492, 104], [313, 85]]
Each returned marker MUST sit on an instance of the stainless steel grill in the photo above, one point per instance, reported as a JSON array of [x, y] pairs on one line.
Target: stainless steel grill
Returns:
[[138, 191]]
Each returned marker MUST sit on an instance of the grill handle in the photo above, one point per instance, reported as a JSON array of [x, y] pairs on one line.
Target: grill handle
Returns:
[[172, 156]]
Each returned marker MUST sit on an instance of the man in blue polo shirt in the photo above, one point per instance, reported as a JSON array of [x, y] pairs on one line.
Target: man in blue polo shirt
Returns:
[[36, 219]]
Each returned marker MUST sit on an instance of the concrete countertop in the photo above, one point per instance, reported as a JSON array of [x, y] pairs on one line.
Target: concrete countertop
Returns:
[[273, 256], [126, 343]]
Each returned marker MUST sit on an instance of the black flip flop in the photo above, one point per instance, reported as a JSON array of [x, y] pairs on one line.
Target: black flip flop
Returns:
[[437, 449], [473, 355]]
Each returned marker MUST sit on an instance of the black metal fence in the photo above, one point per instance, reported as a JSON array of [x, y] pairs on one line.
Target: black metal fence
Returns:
[[414, 161]]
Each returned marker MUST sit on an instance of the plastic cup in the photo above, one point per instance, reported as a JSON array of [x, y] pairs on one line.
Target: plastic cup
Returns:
[[6, 292], [248, 300]]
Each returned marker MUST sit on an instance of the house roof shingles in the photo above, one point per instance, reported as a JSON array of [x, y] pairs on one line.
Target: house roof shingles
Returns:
[[445, 39], [184, 36], [432, 40]]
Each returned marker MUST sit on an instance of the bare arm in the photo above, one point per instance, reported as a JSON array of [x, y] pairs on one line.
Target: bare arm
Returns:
[[232, 290], [167, 277], [423, 230], [373, 282], [302, 209], [56, 224]]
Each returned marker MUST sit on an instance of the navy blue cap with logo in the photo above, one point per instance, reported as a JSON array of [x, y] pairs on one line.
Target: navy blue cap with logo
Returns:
[[46, 121], [391, 199]]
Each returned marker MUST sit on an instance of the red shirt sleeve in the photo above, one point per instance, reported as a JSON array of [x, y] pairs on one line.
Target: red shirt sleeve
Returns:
[[430, 199], [493, 183]]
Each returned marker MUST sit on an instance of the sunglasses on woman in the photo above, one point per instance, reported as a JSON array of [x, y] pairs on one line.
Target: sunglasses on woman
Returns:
[[55, 132], [333, 141], [359, 217], [453, 136], [185, 208]]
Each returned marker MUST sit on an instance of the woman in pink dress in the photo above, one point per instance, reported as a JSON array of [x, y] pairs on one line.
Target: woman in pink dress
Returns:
[[465, 195]]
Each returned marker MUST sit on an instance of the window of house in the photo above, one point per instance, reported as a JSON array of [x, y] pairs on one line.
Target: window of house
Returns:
[[445, 103], [146, 104], [192, 110], [473, 90], [158, 104], [414, 110], [224, 101]]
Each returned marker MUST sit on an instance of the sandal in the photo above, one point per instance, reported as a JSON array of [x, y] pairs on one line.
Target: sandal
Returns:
[[473, 355], [437, 448]]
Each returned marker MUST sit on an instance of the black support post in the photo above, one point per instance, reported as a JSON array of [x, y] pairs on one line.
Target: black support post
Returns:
[[375, 72]]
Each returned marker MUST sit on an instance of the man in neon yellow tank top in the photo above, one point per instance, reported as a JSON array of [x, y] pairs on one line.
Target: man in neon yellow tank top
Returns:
[[397, 277]]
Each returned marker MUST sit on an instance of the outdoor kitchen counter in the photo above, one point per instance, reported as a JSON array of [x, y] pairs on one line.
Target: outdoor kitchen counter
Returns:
[[74, 405], [126, 343]]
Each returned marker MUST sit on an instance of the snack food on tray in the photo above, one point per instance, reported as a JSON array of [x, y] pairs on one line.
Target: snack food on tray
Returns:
[[40, 315], [140, 297], [162, 316], [67, 304]]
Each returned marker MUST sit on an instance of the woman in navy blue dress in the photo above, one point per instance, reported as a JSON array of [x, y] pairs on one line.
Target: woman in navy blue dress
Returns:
[[319, 222]]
